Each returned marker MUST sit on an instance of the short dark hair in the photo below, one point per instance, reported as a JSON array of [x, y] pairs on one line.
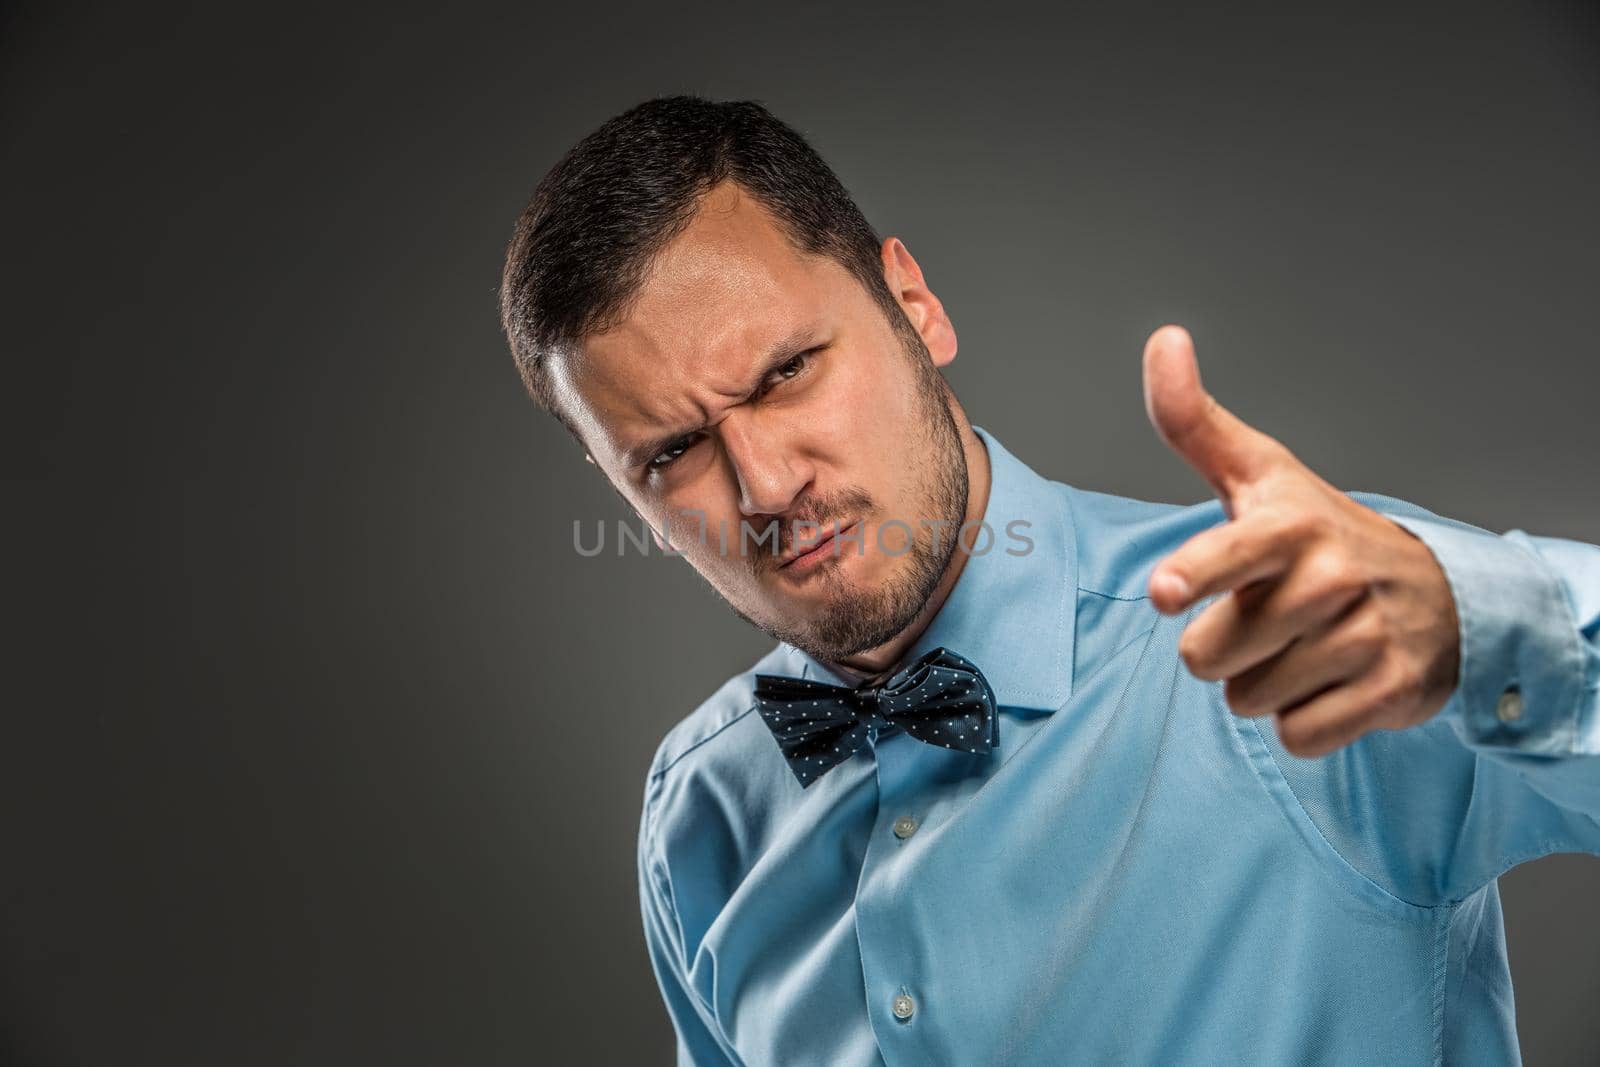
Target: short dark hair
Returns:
[[582, 246]]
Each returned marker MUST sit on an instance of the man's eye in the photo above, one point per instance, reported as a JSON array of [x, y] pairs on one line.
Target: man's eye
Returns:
[[792, 367], [670, 454]]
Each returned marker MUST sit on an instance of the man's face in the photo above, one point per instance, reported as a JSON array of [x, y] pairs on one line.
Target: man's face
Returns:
[[755, 389]]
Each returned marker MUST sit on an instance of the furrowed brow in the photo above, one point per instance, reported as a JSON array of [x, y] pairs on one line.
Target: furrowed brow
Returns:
[[785, 349]]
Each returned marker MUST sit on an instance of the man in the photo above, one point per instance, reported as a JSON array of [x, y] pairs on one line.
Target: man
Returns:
[[1034, 775]]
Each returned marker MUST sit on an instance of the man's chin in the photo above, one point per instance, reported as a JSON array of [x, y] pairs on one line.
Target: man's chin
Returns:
[[841, 620]]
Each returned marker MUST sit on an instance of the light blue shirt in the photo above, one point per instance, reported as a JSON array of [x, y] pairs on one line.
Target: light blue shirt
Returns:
[[1135, 874]]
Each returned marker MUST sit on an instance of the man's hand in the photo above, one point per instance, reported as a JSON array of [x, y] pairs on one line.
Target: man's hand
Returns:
[[1335, 620]]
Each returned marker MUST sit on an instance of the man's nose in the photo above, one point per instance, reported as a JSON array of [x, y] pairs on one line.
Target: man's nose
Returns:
[[770, 474]]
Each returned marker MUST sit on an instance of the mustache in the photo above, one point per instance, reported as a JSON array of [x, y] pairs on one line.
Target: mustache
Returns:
[[804, 528]]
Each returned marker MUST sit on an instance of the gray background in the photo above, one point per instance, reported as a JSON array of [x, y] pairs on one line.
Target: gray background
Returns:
[[320, 748]]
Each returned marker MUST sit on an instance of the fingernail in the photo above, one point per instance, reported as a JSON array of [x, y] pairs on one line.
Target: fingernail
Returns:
[[1173, 587]]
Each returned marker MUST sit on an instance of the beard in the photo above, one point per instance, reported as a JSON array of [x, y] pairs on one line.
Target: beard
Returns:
[[853, 620]]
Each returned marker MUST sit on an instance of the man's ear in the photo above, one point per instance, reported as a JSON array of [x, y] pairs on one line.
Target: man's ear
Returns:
[[927, 314]]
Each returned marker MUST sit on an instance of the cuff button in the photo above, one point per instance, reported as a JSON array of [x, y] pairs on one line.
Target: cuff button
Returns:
[[1509, 709]]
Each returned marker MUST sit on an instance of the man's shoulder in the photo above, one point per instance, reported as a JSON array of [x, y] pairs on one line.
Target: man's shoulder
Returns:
[[716, 720], [1120, 539], [718, 774]]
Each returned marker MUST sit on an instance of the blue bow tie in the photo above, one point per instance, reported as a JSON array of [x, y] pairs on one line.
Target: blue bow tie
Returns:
[[941, 699]]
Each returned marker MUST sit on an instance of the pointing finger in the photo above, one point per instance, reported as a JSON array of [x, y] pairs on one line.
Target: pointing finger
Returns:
[[1224, 557]]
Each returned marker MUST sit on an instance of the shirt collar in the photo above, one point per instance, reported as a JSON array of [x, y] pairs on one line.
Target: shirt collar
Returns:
[[1013, 615]]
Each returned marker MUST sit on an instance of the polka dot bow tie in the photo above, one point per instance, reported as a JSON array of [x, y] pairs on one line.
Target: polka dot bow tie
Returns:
[[941, 699]]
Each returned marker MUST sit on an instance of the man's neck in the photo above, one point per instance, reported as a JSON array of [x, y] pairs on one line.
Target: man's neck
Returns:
[[876, 664]]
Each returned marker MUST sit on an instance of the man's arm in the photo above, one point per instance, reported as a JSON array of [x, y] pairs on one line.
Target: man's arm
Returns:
[[1527, 697], [1431, 686], [1434, 812], [700, 1042]]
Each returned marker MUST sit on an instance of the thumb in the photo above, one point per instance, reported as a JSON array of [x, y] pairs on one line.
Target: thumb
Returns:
[[1228, 452]]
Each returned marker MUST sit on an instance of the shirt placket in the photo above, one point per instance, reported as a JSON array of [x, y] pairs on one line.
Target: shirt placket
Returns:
[[900, 994]]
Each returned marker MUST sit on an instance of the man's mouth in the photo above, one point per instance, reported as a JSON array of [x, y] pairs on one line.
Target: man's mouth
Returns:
[[824, 545]]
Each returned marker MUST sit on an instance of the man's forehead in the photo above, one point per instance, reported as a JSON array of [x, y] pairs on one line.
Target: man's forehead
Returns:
[[730, 279]]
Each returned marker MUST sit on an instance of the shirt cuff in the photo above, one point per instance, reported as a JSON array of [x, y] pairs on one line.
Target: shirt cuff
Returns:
[[1520, 681]]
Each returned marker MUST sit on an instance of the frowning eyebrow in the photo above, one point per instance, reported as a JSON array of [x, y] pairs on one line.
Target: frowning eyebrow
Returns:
[[792, 344]]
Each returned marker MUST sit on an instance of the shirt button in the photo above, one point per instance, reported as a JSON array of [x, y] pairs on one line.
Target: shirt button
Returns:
[[904, 1006], [905, 826], [1510, 707]]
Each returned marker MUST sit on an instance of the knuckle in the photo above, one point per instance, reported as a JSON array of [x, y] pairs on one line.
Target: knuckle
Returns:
[[1277, 522], [1330, 571], [1367, 632], [1399, 689], [1303, 523]]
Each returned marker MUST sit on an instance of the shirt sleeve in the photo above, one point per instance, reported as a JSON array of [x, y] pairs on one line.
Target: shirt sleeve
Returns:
[[1527, 694], [1509, 769], [699, 1040]]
